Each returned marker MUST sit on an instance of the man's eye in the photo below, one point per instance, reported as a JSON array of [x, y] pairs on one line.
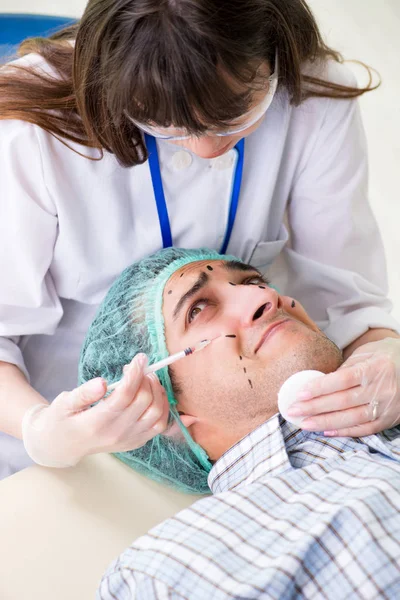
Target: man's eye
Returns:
[[196, 309]]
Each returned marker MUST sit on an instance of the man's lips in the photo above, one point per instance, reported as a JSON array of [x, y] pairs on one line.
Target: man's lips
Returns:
[[269, 331]]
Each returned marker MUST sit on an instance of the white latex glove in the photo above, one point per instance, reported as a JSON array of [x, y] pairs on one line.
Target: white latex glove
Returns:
[[61, 433], [361, 398]]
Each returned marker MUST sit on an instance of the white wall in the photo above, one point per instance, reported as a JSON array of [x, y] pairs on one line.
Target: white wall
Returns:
[[363, 29], [66, 8], [368, 30]]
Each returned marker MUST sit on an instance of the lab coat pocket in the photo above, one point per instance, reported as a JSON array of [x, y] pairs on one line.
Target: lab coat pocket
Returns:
[[265, 253]]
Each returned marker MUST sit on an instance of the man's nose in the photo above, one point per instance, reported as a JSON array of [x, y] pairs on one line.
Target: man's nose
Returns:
[[253, 303]]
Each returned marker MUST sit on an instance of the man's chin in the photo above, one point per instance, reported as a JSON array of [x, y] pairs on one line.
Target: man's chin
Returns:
[[313, 351], [296, 347], [253, 400]]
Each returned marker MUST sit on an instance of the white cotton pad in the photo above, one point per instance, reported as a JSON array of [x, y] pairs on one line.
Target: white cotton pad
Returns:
[[289, 390]]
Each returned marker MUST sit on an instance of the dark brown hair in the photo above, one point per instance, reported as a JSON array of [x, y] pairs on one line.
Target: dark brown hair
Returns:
[[180, 62]]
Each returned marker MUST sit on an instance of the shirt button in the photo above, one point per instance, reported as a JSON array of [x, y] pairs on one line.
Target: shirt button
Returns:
[[223, 162], [181, 160]]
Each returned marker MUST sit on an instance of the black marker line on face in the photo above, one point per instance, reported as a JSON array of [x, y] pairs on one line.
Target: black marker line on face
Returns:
[[250, 384], [182, 274], [170, 292], [210, 268], [244, 369], [231, 335], [241, 357], [293, 304]]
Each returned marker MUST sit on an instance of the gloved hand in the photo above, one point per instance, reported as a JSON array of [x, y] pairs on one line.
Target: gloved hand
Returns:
[[361, 398], [61, 433]]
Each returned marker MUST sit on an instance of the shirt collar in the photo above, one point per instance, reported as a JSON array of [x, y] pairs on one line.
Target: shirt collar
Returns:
[[261, 452]]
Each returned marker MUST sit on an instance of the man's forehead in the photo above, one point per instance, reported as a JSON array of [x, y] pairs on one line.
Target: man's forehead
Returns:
[[209, 265], [195, 267]]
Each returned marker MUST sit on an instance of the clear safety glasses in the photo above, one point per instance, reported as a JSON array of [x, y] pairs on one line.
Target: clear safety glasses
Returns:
[[243, 123]]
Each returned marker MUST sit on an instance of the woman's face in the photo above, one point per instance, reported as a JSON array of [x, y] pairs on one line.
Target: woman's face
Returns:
[[209, 146], [212, 146]]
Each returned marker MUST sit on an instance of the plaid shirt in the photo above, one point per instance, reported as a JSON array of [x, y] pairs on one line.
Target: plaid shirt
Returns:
[[293, 515]]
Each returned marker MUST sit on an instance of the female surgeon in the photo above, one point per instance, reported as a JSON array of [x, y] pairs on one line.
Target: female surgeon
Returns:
[[189, 123]]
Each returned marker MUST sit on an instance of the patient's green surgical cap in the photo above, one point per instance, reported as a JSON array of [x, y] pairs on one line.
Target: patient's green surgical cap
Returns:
[[130, 321]]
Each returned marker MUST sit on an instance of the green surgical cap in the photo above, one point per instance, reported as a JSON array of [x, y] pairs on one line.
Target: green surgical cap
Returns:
[[130, 321]]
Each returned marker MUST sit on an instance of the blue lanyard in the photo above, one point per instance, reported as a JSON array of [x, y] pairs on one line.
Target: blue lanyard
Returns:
[[162, 210]]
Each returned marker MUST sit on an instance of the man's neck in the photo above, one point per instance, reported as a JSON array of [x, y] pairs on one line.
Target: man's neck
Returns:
[[218, 441], [251, 457]]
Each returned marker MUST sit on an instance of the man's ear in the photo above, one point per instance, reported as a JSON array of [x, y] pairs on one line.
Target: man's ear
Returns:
[[174, 430], [188, 420]]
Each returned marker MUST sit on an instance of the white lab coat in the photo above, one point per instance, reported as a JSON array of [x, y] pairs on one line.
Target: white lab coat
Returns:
[[70, 225]]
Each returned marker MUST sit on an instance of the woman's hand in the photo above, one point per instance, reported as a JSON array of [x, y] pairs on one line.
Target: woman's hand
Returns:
[[361, 398], [60, 434]]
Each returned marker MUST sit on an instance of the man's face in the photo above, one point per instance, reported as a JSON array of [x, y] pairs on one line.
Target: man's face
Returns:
[[231, 386]]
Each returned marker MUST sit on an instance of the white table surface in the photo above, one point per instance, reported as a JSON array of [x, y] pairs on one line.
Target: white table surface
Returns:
[[61, 528]]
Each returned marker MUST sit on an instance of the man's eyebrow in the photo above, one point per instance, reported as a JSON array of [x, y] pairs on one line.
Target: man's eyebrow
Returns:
[[235, 265], [200, 283]]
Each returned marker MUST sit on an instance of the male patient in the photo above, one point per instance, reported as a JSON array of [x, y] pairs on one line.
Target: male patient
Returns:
[[293, 514]]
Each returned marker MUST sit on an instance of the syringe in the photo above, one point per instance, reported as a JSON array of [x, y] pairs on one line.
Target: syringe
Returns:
[[172, 358]]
